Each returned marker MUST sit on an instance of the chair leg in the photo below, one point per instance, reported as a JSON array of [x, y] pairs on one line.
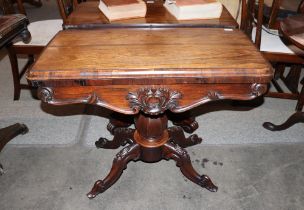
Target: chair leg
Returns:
[[15, 70], [292, 79], [300, 103]]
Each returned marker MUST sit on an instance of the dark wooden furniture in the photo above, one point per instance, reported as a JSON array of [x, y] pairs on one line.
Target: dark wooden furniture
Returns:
[[276, 13], [88, 15], [36, 3], [292, 29], [42, 33], [149, 74], [20, 6], [8, 9], [273, 49], [12, 26]]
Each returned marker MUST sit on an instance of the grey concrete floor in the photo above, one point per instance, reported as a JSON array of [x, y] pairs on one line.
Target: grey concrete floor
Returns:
[[269, 176]]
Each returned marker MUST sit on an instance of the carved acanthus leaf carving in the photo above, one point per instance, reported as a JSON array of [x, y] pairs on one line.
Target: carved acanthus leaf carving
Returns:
[[153, 101]]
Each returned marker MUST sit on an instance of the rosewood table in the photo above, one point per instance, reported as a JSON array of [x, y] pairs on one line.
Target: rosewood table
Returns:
[[150, 74], [292, 28]]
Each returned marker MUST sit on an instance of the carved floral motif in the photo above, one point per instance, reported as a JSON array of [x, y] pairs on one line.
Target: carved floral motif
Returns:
[[153, 101]]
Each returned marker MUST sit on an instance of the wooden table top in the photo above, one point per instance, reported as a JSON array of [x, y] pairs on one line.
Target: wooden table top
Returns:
[[293, 29], [211, 55], [88, 14]]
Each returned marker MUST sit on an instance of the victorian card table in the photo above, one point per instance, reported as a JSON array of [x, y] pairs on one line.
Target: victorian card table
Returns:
[[150, 74]]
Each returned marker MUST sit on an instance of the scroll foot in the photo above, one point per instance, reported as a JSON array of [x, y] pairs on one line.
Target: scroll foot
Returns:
[[180, 155], [178, 137], [293, 119], [131, 152], [118, 121], [122, 136], [208, 184], [189, 124]]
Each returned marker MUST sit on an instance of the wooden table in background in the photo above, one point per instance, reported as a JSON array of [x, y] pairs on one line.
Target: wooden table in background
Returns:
[[88, 15], [152, 75], [292, 29]]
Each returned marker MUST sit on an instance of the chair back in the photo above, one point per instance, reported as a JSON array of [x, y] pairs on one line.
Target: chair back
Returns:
[[249, 19], [66, 7], [6, 7], [301, 7], [276, 13]]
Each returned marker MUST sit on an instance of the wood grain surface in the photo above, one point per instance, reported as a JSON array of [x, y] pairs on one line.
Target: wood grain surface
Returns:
[[202, 56]]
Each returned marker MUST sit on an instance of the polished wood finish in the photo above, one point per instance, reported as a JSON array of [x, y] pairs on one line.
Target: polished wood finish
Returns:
[[88, 15], [293, 29], [150, 74]]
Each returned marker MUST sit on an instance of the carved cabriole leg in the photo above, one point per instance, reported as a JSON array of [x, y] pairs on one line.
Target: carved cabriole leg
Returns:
[[177, 136], [118, 121], [117, 126], [122, 136], [131, 152], [189, 125], [180, 155], [184, 120]]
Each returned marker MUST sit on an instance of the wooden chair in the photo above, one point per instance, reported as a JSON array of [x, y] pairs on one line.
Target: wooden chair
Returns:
[[36, 3], [85, 12], [42, 32], [279, 10], [273, 49], [11, 27]]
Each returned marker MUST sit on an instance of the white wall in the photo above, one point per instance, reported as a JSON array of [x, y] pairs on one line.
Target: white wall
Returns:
[[232, 6]]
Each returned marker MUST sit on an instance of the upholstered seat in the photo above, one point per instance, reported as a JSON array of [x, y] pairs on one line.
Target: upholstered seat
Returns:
[[271, 42], [42, 31]]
